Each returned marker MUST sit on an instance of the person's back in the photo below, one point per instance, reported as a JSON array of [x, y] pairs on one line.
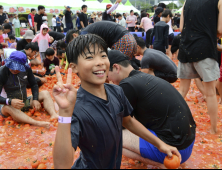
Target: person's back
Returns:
[[199, 36], [161, 32], [147, 23], [159, 62], [173, 121], [111, 32]]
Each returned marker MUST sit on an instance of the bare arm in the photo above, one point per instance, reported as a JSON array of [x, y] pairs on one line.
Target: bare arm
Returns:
[[65, 96], [219, 29], [63, 153], [35, 23], [138, 129], [182, 19]]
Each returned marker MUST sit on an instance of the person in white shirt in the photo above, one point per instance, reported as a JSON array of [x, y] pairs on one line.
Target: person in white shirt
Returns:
[[122, 21], [54, 23], [45, 19]]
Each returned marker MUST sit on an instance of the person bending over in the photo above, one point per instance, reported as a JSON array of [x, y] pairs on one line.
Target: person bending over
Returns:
[[156, 63], [158, 106], [116, 36], [14, 77], [97, 109]]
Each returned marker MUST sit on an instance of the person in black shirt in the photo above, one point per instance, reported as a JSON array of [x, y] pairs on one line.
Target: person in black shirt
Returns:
[[198, 50], [157, 15], [68, 18], [15, 75], [156, 63], [83, 17], [116, 36], [158, 106], [38, 18], [161, 33], [3, 16], [92, 118], [27, 38]]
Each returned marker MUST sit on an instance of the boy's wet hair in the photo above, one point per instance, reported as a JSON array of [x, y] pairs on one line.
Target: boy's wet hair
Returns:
[[166, 13], [33, 46], [69, 35], [60, 52], [7, 26], [140, 42], [11, 37], [49, 52], [162, 5], [1, 46], [1, 28], [82, 43], [61, 44]]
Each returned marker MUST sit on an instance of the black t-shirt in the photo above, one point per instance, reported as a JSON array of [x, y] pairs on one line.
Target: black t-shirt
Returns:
[[97, 128], [38, 20], [56, 35], [21, 44], [156, 19], [199, 36], [160, 108], [175, 20], [107, 17], [158, 61], [2, 18], [176, 43], [111, 32], [68, 16], [161, 32], [49, 65], [83, 18]]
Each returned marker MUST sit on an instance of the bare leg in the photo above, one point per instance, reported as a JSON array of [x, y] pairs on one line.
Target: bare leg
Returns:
[[35, 62], [200, 86], [21, 117], [49, 106], [184, 87], [219, 88], [169, 54], [131, 149], [135, 156], [212, 105]]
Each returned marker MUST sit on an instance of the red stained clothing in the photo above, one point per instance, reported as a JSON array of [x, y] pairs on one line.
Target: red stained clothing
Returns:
[[1, 39]]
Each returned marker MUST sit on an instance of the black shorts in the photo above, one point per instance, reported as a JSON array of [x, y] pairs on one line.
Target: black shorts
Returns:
[[171, 78], [171, 37]]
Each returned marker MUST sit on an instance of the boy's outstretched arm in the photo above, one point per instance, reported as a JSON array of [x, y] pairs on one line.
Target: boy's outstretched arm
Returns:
[[138, 129], [65, 96]]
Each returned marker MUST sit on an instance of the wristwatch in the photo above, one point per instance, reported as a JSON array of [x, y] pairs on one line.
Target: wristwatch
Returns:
[[9, 102]]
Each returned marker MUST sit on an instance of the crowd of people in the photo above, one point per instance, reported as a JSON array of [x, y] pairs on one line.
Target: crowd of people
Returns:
[[145, 117]]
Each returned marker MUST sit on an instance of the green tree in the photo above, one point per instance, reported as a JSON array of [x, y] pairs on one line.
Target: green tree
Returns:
[[145, 6], [181, 2], [172, 6]]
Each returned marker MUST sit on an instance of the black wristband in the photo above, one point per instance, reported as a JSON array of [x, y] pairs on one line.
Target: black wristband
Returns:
[[10, 102]]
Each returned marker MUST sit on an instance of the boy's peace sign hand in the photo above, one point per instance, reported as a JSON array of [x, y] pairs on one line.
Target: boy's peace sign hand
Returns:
[[65, 94]]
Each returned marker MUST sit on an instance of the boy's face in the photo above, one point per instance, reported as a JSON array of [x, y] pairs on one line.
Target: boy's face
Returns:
[[51, 57], [93, 67], [120, 17], [85, 9], [33, 12], [6, 31], [12, 40], [30, 54], [160, 15], [44, 31], [14, 71], [61, 56], [138, 52]]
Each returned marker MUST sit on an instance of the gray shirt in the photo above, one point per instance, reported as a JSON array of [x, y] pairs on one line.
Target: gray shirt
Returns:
[[158, 61]]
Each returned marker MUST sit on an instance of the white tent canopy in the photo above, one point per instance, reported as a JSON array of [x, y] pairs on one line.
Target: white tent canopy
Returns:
[[94, 5], [129, 6]]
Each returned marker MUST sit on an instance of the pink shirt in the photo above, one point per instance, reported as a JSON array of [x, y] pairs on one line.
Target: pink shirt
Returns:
[[133, 19], [147, 23]]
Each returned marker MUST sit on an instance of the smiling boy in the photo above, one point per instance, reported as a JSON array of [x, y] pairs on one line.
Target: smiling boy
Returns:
[[95, 115]]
